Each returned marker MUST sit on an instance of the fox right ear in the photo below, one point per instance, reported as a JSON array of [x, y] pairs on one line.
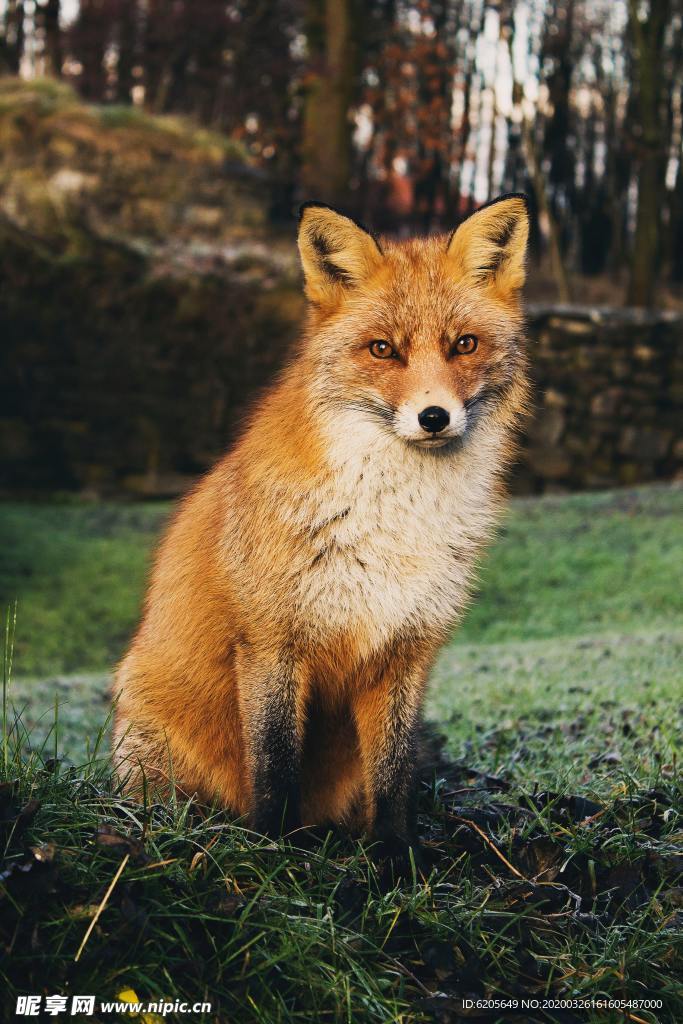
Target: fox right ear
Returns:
[[336, 253]]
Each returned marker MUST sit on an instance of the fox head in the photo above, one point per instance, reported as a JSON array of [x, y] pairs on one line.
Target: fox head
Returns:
[[419, 337]]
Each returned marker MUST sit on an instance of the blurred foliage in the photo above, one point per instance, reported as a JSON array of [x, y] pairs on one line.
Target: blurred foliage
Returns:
[[413, 111]]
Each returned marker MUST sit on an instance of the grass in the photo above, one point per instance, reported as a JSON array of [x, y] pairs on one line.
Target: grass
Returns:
[[561, 567], [551, 814], [77, 573]]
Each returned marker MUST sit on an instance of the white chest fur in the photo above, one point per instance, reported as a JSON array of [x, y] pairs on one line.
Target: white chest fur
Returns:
[[396, 531]]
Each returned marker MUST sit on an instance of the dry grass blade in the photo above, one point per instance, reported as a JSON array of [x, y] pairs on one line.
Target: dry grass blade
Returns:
[[102, 905], [492, 845]]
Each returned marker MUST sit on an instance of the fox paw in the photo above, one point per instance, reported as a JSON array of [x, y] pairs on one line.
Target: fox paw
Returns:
[[396, 855]]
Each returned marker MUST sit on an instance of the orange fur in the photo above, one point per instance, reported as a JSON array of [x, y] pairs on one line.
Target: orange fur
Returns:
[[305, 585]]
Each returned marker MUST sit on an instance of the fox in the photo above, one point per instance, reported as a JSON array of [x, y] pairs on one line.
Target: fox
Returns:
[[306, 584]]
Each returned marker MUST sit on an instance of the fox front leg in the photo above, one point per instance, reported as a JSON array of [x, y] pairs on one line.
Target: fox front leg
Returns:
[[271, 706], [387, 716]]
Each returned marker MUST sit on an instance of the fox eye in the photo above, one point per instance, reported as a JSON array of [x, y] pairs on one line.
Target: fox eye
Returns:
[[382, 349], [465, 345]]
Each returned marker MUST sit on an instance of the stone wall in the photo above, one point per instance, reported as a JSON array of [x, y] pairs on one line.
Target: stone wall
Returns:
[[608, 399], [123, 374], [123, 380]]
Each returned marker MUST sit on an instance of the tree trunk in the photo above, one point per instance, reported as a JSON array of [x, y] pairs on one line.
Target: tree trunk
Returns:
[[13, 40], [327, 149], [540, 188], [128, 35], [541, 195], [648, 45], [53, 38], [91, 35]]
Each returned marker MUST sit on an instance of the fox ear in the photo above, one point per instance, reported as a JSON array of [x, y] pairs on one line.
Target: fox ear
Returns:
[[489, 248], [336, 253]]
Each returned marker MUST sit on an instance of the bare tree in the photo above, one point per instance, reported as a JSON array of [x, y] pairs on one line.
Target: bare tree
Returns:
[[333, 36], [648, 41], [48, 18], [12, 41]]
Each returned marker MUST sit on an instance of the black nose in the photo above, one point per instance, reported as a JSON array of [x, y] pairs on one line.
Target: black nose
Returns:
[[433, 419]]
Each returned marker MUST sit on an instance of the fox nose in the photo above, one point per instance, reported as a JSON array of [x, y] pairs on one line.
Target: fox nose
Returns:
[[433, 419]]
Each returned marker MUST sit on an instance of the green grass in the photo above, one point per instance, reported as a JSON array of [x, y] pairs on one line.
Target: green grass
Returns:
[[551, 817], [77, 573], [562, 566], [585, 903], [588, 563], [564, 703]]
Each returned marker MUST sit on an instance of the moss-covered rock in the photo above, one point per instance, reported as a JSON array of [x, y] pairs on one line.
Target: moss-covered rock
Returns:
[[141, 297], [120, 170]]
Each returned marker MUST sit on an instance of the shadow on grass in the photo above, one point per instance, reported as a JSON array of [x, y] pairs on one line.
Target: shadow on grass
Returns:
[[527, 894]]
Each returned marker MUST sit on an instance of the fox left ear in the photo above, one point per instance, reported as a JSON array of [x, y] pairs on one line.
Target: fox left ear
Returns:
[[336, 253], [489, 248]]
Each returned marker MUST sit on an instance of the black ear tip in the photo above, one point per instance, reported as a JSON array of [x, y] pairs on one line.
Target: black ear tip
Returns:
[[494, 202], [314, 203], [523, 196], [504, 198], [318, 205], [306, 206]]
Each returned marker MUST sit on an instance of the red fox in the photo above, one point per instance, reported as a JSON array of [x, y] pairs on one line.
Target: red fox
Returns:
[[307, 582]]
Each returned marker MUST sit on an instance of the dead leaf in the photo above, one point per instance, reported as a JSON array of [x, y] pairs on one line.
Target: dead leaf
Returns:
[[107, 836]]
